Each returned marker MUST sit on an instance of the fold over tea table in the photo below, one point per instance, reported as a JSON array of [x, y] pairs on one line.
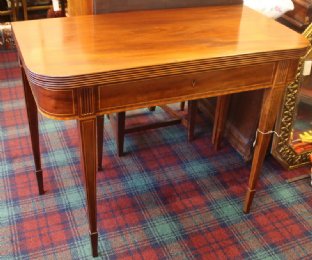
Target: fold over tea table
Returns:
[[84, 67]]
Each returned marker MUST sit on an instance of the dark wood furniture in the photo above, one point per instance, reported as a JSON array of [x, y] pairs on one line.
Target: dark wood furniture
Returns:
[[242, 120], [7, 12], [118, 123], [119, 120], [28, 6], [173, 65], [300, 17], [35, 6]]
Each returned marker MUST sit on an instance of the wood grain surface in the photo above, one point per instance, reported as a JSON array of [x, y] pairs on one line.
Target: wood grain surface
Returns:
[[74, 51]]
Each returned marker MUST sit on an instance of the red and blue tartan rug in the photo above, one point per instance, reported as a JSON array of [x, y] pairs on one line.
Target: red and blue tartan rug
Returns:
[[166, 199]]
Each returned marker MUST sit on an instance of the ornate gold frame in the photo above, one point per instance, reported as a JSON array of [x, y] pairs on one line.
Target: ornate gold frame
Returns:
[[281, 149]]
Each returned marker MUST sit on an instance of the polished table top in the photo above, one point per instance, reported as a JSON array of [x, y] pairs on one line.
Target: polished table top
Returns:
[[64, 49]]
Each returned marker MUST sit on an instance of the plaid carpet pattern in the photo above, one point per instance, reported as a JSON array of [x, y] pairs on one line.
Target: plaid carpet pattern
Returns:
[[166, 199], [6, 40]]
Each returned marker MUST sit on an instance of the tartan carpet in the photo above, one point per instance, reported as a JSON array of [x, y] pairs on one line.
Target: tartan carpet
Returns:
[[166, 199]]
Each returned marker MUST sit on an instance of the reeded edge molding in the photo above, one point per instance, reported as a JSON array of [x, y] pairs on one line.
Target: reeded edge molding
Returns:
[[86, 101], [163, 70]]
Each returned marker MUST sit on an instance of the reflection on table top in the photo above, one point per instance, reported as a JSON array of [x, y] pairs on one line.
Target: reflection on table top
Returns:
[[120, 41]]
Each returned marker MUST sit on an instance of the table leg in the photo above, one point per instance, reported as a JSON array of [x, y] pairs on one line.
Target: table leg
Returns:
[[191, 120], [88, 147], [32, 114], [219, 120], [120, 132], [182, 105], [100, 133], [271, 99]]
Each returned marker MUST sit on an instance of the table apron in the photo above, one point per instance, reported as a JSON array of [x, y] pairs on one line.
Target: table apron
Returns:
[[75, 103], [164, 90]]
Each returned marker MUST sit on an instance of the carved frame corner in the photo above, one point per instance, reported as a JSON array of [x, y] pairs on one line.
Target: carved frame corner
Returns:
[[281, 150]]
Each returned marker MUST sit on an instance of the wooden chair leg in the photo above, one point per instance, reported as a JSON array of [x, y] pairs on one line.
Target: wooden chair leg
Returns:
[[182, 105], [14, 5], [24, 6], [219, 120], [120, 135], [192, 109], [118, 123], [152, 108], [100, 133]]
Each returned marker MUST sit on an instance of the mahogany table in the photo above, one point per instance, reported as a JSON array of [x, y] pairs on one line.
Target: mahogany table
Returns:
[[83, 67]]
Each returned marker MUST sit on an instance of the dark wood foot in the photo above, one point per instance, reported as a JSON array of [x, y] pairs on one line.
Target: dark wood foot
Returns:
[[94, 243], [88, 146], [40, 181], [222, 108], [120, 134], [258, 158], [32, 115], [100, 132], [192, 110], [248, 200]]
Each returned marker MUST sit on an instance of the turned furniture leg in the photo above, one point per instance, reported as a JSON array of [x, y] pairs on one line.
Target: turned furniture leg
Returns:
[[192, 109], [87, 131], [222, 108], [100, 134], [32, 115], [271, 101]]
